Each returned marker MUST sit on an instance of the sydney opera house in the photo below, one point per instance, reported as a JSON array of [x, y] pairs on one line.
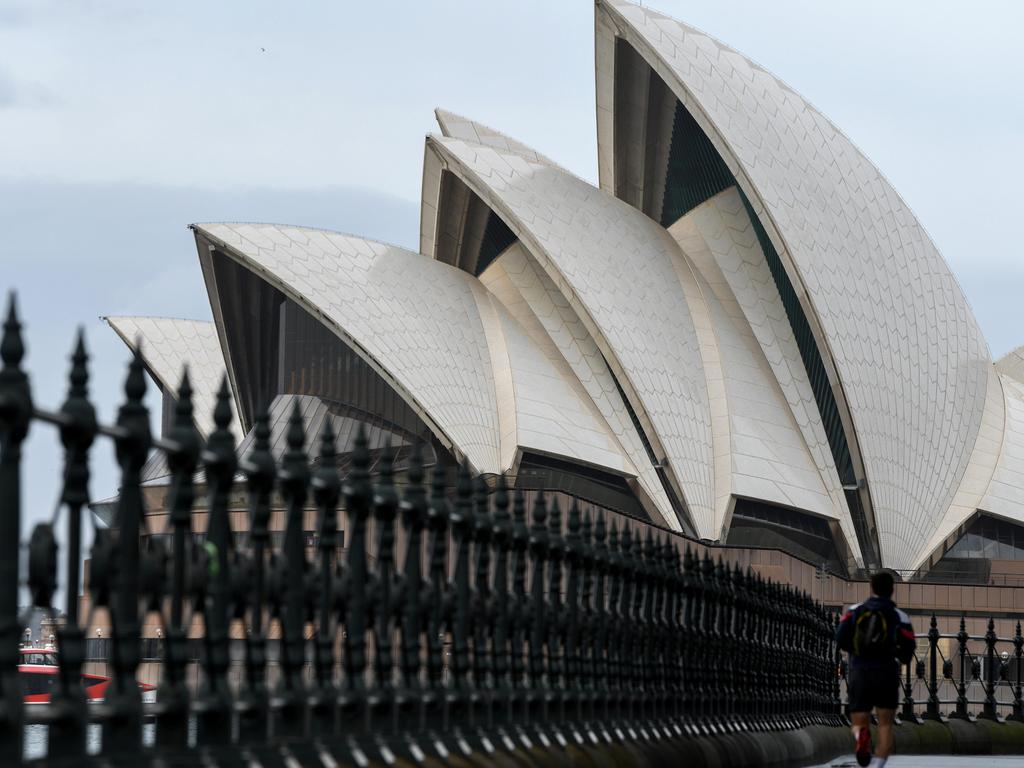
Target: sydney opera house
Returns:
[[741, 333]]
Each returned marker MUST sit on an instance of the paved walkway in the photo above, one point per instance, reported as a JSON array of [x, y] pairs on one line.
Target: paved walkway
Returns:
[[937, 761]]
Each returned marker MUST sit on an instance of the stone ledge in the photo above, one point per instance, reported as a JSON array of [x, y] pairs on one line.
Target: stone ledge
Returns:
[[818, 744]]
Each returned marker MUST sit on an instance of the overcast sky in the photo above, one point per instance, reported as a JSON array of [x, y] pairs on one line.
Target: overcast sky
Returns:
[[122, 122]]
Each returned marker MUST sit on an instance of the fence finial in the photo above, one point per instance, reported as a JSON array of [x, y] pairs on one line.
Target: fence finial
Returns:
[[481, 608], [382, 608], [326, 485], [12, 347], [293, 476], [409, 700]]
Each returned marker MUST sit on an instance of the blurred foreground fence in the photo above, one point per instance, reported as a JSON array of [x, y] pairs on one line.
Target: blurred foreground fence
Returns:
[[498, 632]]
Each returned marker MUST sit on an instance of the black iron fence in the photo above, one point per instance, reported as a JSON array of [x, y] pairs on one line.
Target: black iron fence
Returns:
[[964, 676], [556, 632]]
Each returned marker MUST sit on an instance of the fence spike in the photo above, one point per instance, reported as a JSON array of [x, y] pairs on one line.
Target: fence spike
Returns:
[[571, 650], [502, 647], [518, 612], [437, 521], [215, 699], [381, 613], [409, 704], [122, 731], [326, 486], [12, 346], [77, 436], [457, 610], [602, 621], [481, 609], [358, 496], [260, 472], [289, 704], [555, 630], [536, 620]]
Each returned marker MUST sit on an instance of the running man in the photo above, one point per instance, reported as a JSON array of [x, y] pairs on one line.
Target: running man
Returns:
[[878, 636]]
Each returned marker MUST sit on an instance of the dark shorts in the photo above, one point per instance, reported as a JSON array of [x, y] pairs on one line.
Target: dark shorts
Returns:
[[871, 687]]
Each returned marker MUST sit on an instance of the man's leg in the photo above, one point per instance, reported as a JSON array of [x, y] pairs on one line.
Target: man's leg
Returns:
[[861, 736], [860, 720], [885, 736]]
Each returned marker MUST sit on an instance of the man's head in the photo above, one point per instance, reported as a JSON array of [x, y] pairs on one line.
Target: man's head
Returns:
[[882, 584]]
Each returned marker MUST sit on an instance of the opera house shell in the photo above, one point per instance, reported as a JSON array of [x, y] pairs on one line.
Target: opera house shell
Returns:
[[742, 333]]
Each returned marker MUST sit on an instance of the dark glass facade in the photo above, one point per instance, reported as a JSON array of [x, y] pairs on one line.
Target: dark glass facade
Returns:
[[314, 361], [603, 489], [248, 302], [972, 559], [696, 172], [757, 524], [990, 538], [471, 236], [294, 353]]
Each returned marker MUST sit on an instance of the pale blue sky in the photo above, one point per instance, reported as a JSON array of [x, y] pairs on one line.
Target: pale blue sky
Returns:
[[121, 122]]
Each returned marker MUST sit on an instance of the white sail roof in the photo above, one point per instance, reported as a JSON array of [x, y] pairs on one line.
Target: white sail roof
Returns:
[[167, 346], [437, 335], [615, 266], [910, 360]]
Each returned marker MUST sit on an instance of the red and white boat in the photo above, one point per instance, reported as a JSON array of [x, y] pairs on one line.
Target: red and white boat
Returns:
[[38, 672]]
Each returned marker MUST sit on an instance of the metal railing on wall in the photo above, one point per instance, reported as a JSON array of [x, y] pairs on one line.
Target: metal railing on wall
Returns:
[[962, 676], [498, 629]]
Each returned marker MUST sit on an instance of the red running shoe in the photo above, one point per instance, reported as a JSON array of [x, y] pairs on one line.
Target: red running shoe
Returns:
[[863, 752]]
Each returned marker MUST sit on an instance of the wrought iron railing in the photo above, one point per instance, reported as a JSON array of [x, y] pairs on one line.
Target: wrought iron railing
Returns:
[[560, 634], [964, 676]]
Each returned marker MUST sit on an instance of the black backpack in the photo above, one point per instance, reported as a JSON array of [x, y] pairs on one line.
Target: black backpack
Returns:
[[873, 634]]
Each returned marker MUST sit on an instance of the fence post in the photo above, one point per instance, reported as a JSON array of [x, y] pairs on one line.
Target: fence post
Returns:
[[326, 487], [409, 699], [457, 614], [621, 546], [742, 686], [932, 710], [182, 461], [726, 644], [573, 652], [67, 732], [214, 702], [599, 635], [252, 701], [536, 617], [1018, 655], [381, 606], [584, 638], [555, 688], [908, 696], [517, 611], [989, 711], [961, 689], [15, 417], [122, 727], [358, 496], [500, 644], [837, 665], [437, 520], [482, 613]]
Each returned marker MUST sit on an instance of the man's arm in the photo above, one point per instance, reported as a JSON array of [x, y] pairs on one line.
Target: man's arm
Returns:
[[844, 632], [906, 642]]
